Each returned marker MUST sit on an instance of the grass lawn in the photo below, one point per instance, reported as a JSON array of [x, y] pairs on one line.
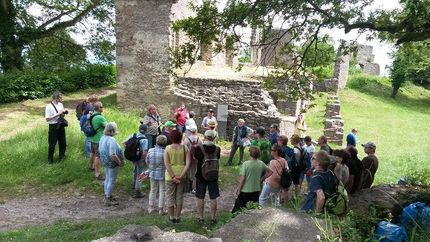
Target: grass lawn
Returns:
[[399, 127]]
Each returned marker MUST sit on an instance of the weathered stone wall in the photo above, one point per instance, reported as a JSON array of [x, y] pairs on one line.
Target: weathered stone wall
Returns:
[[245, 99], [365, 59], [333, 124], [143, 36], [265, 52], [341, 68]]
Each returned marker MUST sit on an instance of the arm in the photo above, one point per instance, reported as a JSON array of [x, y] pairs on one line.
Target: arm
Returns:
[[268, 173], [116, 159], [187, 164], [320, 200], [241, 181]]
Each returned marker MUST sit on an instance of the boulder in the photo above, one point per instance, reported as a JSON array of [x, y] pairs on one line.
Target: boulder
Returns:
[[269, 224], [136, 233]]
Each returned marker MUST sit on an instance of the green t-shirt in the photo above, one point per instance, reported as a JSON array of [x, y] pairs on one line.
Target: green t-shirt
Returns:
[[252, 170], [264, 145], [99, 122]]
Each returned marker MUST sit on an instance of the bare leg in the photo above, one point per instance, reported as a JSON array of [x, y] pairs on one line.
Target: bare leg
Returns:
[[178, 210], [171, 211], [214, 205], [286, 197], [96, 166], [200, 208]]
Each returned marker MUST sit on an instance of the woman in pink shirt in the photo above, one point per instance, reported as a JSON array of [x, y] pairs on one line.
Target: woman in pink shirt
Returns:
[[272, 184]]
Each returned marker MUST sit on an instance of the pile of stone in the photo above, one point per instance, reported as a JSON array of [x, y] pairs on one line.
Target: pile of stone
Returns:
[[333, 125], [245, 99]]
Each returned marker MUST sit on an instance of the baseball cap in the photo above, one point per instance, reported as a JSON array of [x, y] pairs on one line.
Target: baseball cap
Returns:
[[191, 128], [211, 123], [210, 134], [169, 124], [369, 145], [142, 128], [210, 110]]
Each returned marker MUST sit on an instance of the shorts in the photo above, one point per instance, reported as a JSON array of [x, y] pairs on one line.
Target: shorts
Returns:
[[212, 187], [95, 149], [174, 193], [295, 175]]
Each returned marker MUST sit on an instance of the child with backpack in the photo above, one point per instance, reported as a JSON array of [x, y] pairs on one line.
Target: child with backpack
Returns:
[[207, 156], [136, 148]]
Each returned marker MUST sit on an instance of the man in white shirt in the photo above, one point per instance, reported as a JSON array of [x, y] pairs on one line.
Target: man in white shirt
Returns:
[[56, 133], [205, 122]]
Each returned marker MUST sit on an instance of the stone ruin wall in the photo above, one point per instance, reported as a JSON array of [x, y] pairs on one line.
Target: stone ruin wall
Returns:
[[333, 124], [143, 36], [365, 58], [245, 99]]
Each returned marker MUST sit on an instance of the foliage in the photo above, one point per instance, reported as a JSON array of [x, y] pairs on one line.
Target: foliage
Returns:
[[303, 21], [320, 57], [36, 84], [56, 53], [411, 63], [22, 23]]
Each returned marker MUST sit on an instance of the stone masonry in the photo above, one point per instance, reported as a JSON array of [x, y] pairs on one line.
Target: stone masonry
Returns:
[[245, 99], [265, 52], [333, 124], [143, 37], [365, 58]]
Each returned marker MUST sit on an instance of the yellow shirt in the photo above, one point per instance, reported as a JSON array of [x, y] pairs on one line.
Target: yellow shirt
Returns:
[[176, 160]]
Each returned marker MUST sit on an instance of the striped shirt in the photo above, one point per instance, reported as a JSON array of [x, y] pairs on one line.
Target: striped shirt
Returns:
[[155, 161]]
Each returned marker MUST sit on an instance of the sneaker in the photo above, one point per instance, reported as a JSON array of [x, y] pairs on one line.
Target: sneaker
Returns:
[[213, 221], [100, 177], [110, 202], [172, 220], [177, 220], [150, 210], [138, 194], [193, 191], [200, 221], [161, 211]]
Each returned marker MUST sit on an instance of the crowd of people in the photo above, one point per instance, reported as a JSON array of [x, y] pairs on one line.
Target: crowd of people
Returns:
[[172, 156]]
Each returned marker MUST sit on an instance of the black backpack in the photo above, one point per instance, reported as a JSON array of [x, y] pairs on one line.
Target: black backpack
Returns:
[[80, 108], [132, 151], [210, 166], [305, 158], [286, 179]]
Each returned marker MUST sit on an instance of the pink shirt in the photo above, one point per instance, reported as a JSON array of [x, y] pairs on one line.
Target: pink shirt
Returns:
[[276, 166]]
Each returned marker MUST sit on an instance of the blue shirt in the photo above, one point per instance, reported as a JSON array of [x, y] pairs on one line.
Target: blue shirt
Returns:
[[351, 139], [273, 137], [107, 147], [155, 161], [324, 180]]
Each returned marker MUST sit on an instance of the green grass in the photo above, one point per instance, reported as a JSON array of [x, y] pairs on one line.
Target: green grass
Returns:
[[88, 230], [399, 127]]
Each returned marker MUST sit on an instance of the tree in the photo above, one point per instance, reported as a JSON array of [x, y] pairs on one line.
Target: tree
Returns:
[[20, 27], [56, 53], [411, 63], [304, 21]]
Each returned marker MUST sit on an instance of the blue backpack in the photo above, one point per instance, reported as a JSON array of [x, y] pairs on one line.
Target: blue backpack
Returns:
[[305, 159], [87, 126]]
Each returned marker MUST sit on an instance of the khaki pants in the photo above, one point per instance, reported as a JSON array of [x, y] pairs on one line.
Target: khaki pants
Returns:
[[174, 193]]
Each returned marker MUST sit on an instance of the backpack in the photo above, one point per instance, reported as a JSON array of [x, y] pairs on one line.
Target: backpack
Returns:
[[210, 166], [337, 203], [132, 149], [305, 159], [286, 179], [87, 127], [80, 108], [193, 148]]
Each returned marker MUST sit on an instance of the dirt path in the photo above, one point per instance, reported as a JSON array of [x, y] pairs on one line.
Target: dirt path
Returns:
[[43, 210]]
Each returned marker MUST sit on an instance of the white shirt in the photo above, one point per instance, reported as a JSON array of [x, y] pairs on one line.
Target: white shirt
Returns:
[[310, 149], [206, 120], [50, 111]]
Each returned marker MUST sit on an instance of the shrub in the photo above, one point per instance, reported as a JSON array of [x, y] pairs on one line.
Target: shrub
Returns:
[[35, 84]]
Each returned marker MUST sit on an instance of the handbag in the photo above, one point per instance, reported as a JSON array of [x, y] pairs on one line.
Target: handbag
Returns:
[[61, 121]]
